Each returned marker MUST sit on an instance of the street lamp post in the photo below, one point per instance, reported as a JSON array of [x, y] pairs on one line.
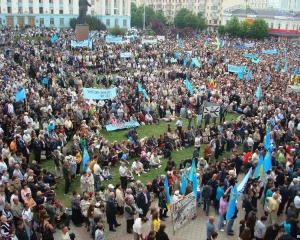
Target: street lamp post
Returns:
[[144, 20]]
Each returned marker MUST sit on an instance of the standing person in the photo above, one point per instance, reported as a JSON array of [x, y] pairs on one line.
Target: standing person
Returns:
[[143, 201], [222, 211], [111, 211], [161, 234], [155, 221], [97, 173], [251, 221], [179, 124], [206, 193], [272, 232], [129, 212], [138, 228], [47, 228], [210, 227], [284, 193], [260, 228], [27, 219], [162, 203], [77, 217], [20, 231], [67, 176], [123, 174], [120, 199], [273, 208]]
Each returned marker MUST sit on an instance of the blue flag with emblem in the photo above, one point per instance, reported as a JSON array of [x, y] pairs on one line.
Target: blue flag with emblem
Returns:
[[268, 161], [249, 75], [295, 71], [241, 73], [180, 44], [166, 185], [20, 95], [54, 38], [232, 202], [258, 172], [183, 181], [85, 158], [185, 60], [267, 142], [193, 177]]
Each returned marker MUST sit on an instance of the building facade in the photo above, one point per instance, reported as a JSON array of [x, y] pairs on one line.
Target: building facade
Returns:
[[57, 13]]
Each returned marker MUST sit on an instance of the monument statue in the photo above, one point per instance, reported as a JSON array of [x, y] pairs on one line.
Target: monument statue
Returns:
[[83, 6]]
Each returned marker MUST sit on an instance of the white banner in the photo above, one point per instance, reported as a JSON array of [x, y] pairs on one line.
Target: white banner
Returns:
[[149, 41], [183, 210], [161, 38]]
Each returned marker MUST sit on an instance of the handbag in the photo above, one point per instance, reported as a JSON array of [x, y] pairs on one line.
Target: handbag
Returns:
[[139, 210]]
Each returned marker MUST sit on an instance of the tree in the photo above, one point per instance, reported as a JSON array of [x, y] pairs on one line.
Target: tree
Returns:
[[150, 32], [178, 20], [136, 16], [222, 29], [190, 20], [73, 22], [233, 26], [93, 22], [201, 23], [259, 29], [244, 29], [117, 31], [149, 13], [160, 15], [158, 27]]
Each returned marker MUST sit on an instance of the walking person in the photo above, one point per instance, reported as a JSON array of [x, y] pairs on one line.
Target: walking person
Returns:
[[138, 228], [111, 211], [143, 201], [260, 228], [67, 176], [162, 204], [206, 194], [210, 227], [230, 221]]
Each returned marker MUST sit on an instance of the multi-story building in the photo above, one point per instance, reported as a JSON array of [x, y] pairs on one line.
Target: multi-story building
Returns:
[[57, 13]]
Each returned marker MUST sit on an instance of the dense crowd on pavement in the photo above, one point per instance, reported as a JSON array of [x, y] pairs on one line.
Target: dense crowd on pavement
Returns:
[[55, 123]]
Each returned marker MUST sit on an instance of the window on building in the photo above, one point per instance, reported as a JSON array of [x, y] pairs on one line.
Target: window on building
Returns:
[[70, 1], [271, 25], [61, 1], [92, 11], [214, 8], [107, 22], [41, 10], [40, 1], [61, 21], [71, 11], [30, 9], [8, 0], [294, 27], [0, 21], [31, 1], [51, 21], [115, 11], [8, 9], [50, 1], [51, 11], [116, 22], [20, 1], [61, 11], [93, 2], [286, 26], [20, 10], [278, 25], [124, 23], [215, 22], [42, 21]]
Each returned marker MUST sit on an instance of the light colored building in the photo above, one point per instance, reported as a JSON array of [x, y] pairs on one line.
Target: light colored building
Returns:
[[57, 13]]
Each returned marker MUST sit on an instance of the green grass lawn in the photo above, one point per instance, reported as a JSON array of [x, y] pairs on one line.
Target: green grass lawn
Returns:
[[143, 131]]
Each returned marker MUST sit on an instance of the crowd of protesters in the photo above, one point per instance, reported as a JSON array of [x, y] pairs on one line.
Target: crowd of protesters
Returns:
[[55, 113]]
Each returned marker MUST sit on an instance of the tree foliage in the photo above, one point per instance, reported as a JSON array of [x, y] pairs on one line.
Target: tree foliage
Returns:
[[184, 18], [136, 16], [160, 15], [158, 27], [93, 22], [259, 29], [221, 29], [117, 31]]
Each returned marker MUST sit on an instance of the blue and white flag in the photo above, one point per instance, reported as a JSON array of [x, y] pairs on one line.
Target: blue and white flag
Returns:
[[277, 65], [177, 36], [258, 91], [268, 78], [54, 38], [20, 95], [232, 202], [241, 187], [85, 159]]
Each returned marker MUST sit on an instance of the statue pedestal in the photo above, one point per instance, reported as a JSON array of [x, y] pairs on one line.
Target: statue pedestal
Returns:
[[82, 32]]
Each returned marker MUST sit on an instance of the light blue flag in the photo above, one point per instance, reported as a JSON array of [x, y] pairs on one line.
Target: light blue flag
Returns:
[[191, 173], [241, 73], [296, 54], [268, 161], [232, 202], [177, 36], [285, 67], [166, 185], [191, 64], [257, 169], [90, 43], [249, 75], [183, 181], [193, 177], [243, 183], [85, 158], [185, 60], [196, 62], [140, 88], [258, 92], [285, 50], [205, 44], [134, 37], [277, 66], [268, 78], [295, 71], [223, 44], [20, 95], [228, 44], [180, 44], [256, 61], [54, 38], [211, 60], [267, 142]]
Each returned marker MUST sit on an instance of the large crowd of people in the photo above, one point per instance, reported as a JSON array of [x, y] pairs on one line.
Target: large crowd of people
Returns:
[[55, 122]]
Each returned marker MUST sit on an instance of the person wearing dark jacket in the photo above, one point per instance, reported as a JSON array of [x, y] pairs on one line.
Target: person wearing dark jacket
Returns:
[[283, 190], [111, 211], [206, 194], [238, 163], [162, 203], [272, 232], [143, 201], [251, 220], [37, 149], [223, 173], [20, 231], [247, 205], [161, 234]]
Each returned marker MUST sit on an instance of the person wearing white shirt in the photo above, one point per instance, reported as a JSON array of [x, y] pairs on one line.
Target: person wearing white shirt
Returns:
[[3, 166], [255, 158], [250, 141], [27, 137], [155, 161], [65, 234], [123, 174], [138, 228], [148, 118], [297, 204], [97, 172], [137, 167], [27, 219], [176, 196]]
